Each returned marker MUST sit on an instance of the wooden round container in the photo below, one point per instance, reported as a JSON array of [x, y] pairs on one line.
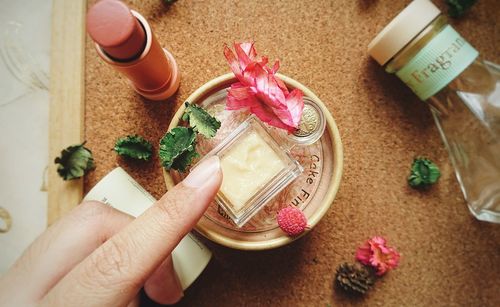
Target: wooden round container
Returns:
[[313, 191]]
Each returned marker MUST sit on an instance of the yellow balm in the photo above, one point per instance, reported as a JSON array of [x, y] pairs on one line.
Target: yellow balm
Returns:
[[247, 167], [255, 167]]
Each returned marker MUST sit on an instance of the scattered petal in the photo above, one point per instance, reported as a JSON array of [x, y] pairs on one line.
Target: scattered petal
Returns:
[[377, 254]]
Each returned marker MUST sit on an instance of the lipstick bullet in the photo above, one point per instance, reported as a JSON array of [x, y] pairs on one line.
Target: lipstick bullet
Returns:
[[124, 39]]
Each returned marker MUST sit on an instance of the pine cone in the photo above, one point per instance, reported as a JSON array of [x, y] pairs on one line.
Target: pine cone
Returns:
[[354, 278]]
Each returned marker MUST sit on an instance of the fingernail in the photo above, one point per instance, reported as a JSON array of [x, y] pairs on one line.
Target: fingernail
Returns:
[[202, 173]]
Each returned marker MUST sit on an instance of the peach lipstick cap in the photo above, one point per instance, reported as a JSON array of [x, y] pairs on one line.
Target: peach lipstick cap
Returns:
[[125, 40]]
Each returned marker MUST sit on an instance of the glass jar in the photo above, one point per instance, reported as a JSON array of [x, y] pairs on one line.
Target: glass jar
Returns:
[[463, 92]]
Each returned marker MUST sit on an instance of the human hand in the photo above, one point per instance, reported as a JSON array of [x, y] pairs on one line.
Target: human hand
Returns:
[[98, 256]]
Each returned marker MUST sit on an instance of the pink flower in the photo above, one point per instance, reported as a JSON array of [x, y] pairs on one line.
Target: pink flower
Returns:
[[260, 90], [377, 254]]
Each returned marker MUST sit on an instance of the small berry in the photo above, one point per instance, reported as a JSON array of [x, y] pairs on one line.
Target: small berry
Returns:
[[292, 220]]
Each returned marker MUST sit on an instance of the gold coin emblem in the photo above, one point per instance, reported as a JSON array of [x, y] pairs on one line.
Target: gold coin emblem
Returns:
[[308, 123]]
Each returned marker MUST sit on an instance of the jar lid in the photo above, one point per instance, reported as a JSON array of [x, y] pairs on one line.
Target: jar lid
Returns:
[[402, 29]]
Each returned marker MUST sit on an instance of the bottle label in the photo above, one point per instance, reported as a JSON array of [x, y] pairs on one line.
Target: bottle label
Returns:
[[437, 63]]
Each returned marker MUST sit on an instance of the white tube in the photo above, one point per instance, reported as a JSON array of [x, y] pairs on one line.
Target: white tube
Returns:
[[120, 191]]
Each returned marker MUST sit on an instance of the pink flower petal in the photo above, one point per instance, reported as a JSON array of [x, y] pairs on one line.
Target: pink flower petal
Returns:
[[263, 61], [377, 254], [239, 97], [243, 57], [295, 104], [378, 240], [249, 49], [266, 115], [276, 66], [282, 86], [233, 62], [364, 253]]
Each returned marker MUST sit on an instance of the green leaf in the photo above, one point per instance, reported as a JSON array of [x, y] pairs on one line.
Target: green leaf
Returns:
[[178, 148], [135, 147], [423, 173], [457, 8], [184, 160], [74, 162], [200, 120]]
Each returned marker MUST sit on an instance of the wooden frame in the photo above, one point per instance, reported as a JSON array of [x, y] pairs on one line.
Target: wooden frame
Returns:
[[67, 91]]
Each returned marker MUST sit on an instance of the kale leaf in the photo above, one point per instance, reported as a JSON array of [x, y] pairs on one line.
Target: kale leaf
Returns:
[[178, 148], [74, 162], [135, 147], [200, 120], [423, 173]]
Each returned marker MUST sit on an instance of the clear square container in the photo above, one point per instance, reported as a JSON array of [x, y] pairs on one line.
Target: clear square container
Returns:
[[255, 168]]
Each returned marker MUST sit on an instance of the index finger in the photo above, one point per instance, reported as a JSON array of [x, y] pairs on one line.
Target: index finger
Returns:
[[115, 272]]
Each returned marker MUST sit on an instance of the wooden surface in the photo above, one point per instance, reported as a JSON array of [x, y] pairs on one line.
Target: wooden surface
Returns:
[[66, 99], [448, 257]]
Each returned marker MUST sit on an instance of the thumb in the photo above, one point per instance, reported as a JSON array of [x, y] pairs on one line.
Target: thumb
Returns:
[[116, 271]]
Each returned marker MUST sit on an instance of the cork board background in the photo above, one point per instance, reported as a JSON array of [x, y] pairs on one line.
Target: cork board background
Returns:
[[448, 258]]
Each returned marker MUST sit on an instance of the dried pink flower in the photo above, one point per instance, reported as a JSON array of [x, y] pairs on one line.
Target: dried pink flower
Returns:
[[377, 254], [260, 90]]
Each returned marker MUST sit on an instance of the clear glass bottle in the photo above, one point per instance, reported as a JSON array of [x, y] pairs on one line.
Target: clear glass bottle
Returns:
[[462, 91]]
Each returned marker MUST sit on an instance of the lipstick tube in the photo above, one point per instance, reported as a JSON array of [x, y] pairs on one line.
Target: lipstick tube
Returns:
[[124, 40]]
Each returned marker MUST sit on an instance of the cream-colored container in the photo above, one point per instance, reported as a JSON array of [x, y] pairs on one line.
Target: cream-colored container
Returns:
[[313, 191], [255, 169]]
